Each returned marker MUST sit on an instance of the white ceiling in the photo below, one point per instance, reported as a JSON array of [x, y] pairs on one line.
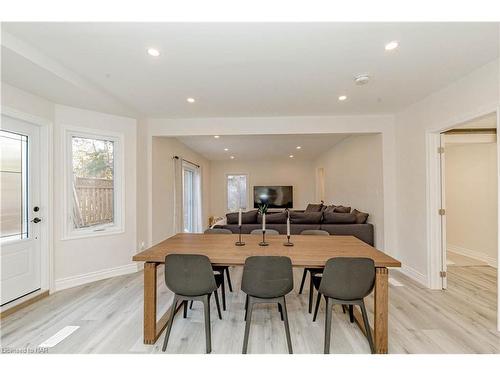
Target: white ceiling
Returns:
[[263, 147], [249, 69]]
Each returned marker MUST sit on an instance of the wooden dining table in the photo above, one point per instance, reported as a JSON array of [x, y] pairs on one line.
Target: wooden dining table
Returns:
[[308, 251]]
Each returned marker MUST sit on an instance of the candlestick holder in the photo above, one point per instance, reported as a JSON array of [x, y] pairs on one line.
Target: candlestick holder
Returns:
[[239, 242], [288, 243], [263, 243]]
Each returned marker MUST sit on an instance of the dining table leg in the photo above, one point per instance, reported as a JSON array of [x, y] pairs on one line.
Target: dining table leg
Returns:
[[381, 313], [150, 273]]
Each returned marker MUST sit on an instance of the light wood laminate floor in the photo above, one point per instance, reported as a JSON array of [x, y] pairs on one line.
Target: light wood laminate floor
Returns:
[[109, 314]]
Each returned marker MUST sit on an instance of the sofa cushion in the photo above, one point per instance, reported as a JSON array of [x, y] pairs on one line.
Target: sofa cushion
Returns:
[[305, 217], [364, 232], [249, 217], [339, 218], [361, 217], [342, 209], [274, 218], [314, 207]]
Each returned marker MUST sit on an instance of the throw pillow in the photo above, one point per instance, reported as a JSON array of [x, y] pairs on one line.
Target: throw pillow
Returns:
[[342, 209], [361, 217], [274, 218], [314, 207], [305, 217], [249, 217], [339, 218]]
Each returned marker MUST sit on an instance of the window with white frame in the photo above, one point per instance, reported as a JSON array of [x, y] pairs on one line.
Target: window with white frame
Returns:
[[237, 191], [94, 184]]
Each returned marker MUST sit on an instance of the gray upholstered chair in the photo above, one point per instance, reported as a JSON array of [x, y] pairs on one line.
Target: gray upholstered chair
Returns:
[[346, 281], [269, 232], [221, 269], [267, 279], [191, 278], [311, 271]]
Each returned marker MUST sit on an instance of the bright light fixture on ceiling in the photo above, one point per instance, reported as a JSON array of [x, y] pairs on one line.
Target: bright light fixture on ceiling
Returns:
[[298, 147], [290, 156], [342, 98], [391, 45], [216, 136], [190, 100], [226, 149], [153, 52], [232, 157]]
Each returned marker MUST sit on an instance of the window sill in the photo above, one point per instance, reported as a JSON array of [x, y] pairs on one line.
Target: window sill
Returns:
[[92, 233]]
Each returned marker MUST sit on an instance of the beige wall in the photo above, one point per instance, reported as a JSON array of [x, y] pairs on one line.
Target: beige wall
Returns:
[[163, 150], [353, 177], [471, 199], [299, 174]]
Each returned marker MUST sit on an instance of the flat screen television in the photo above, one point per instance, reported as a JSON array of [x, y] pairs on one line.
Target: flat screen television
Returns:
[[274, 196]]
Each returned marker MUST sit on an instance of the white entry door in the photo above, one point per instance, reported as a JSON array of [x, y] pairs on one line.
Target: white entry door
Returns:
[[20, 213]]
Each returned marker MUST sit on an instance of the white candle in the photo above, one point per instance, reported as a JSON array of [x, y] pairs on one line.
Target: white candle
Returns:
[[239, 218], [288, 226], [263, 221]]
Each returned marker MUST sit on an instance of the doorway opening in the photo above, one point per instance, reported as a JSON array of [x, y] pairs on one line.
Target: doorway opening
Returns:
[[466, 203], [191, 198]]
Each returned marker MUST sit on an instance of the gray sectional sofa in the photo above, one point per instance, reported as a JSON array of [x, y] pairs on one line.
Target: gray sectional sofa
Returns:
[[336, 220]]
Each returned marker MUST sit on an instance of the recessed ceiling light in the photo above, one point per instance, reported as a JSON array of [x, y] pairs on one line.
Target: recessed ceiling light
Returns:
[[290, 156], [391, 45], [153, 52], [190, 100], [226, 149], [342, 98], [216, 136], [298, 147], [232, 157]]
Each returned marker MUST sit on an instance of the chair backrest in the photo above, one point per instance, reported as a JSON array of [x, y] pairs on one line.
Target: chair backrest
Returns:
[[270, 232], [267, 276], [189, 274], [218, 231], [348, 278], [315, 232]]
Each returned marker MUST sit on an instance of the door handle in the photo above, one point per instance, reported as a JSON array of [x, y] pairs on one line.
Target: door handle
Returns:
[[36, 220]]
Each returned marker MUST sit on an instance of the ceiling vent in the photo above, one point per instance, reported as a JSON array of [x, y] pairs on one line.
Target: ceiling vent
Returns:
[[361, 79]]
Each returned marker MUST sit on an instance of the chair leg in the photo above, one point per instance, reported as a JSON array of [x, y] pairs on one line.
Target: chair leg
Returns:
[[280, 310], [287, 327], [343, 309], [223, 291], [248, 318], [185, 304], [208, 338], [229, 280], [170, 322], [246, 306], [311, 290], [191, 304], [216, 296], [351, 313], [367, 326], [318, 300], [328, 325], [303, 281]]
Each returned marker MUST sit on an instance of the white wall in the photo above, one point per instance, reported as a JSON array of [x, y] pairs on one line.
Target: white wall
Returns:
[[354, 177], [471, 199], [299, 174], [163, 150], [84, 256], [467, 98], [82, 260]]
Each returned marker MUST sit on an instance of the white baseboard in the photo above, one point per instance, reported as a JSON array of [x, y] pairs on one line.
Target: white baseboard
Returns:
[[70, 282], [414, 275], [472, 254]]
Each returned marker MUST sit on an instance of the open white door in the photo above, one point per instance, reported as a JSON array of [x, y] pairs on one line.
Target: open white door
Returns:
[[20, 241], [442, 213]]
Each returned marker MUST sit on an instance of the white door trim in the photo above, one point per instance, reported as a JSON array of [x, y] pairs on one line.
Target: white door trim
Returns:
[[434, 246], [46, 194]]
